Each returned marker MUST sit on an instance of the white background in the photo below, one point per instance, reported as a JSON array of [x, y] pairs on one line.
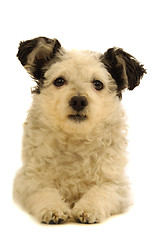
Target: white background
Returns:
[[95, 25]]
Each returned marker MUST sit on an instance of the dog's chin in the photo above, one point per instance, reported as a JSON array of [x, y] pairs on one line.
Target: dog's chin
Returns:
[[78, 118]]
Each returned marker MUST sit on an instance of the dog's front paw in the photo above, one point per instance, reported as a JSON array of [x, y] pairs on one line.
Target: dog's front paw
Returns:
[[87, 215], [54, 216], [86, 218]]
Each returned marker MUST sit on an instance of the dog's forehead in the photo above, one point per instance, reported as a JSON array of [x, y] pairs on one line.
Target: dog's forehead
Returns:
[[79, 55], [77, 63], [82, 59]]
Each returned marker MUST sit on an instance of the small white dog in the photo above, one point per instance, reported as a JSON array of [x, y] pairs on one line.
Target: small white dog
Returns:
[[74, 143]]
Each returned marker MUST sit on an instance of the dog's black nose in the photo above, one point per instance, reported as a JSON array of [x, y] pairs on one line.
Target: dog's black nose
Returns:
[[78, 103]]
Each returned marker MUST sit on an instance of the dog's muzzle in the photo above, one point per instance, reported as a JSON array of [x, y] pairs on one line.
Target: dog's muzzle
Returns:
[[78, 104]]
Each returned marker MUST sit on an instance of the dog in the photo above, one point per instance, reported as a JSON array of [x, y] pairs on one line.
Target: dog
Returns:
[[74, 141]]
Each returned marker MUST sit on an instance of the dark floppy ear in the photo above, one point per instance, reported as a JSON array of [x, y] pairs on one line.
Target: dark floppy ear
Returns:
[[35, 54], [124, 68]]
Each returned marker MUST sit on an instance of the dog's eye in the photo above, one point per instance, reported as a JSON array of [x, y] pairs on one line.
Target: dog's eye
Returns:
[[59, 82], [98, 85]]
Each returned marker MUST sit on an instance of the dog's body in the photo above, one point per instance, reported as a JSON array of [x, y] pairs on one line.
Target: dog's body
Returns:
[[74, 144]]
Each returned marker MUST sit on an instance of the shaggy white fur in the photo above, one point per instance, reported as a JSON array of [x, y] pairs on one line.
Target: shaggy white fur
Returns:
[[74, 169]]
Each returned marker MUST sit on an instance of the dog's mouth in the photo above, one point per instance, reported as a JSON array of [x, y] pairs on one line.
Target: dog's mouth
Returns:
[[77, 117]]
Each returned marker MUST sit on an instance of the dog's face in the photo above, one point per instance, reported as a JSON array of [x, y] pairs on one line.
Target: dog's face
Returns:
[[77, 90]]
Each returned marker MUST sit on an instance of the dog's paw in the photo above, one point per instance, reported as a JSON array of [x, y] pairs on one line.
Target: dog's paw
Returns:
[[54, 216], [87, 216]]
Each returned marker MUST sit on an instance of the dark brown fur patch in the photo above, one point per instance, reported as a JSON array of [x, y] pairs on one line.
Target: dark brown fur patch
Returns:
[[37, 68], [124, 68], [25, 48]]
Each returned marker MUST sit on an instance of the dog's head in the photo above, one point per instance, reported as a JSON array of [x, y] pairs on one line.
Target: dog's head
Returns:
[[78, 87]]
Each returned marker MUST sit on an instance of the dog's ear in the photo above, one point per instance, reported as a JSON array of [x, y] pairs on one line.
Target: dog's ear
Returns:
[[35, 54], [124, 68]]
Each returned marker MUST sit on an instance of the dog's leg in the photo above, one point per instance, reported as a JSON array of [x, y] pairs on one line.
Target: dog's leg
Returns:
[[101, 202], [48, 206], [44, 203]]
